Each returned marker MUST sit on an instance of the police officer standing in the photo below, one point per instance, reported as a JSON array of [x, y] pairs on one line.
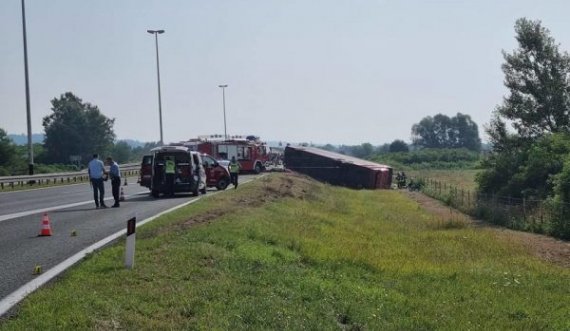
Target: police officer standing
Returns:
[[115, 174], [234, 167], [96, 172]]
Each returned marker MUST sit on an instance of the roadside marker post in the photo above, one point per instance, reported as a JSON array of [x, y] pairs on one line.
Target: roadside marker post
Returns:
[[131, 236]]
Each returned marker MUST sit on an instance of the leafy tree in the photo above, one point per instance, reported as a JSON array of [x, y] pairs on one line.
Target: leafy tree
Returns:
[[465, 133], [399, 146], [442, 131], [537, 75], [531, 160], [7, 149], [76, 128]]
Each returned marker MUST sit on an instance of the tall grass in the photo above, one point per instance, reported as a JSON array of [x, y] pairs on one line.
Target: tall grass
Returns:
[[323, 258]]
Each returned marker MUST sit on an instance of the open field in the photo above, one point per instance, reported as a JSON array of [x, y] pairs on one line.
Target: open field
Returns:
[[460, 178], [285, 252]]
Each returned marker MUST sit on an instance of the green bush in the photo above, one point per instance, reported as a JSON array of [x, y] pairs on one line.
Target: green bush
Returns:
[[528, 170], [431, 158]]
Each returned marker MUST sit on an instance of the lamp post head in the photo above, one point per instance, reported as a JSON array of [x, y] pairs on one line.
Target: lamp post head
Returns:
[[223, 86], [155, 31]]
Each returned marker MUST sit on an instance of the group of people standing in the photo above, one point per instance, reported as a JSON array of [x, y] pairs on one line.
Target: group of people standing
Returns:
[[98, 175]]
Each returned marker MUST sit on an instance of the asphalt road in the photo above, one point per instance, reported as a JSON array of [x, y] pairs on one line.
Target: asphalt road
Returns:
[[71, 208]]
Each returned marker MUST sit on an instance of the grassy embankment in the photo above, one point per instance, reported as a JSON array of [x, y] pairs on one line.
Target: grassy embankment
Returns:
[[288, 253]]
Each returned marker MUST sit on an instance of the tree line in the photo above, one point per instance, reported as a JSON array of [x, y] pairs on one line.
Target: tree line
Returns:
[[440, 141], [74, 131]]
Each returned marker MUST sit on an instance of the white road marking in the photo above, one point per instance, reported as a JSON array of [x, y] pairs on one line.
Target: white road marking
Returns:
[[43, 210]]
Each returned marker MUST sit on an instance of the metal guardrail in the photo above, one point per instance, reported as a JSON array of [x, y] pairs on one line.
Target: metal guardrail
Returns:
[[128, 169]]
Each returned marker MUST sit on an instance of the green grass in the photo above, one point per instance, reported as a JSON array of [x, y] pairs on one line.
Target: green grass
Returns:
[[323, 258]]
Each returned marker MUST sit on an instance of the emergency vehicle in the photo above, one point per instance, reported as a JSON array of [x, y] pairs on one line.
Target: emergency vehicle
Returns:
[[216, 175], [250, 152], [189, 176]]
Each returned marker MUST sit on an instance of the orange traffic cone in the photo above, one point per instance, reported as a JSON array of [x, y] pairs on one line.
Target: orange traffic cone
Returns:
[[46, 228], [122, 196]]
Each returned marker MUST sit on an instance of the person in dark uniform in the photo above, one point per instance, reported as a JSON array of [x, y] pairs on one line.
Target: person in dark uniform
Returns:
[[115, 175]]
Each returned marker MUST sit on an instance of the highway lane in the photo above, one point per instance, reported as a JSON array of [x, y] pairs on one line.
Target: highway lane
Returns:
[[21, 249], [20, 201]]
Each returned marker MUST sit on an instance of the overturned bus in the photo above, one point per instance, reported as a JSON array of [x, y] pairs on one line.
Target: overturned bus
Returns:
[[338, 169]]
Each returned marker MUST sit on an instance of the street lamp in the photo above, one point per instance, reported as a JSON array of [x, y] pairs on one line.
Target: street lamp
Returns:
[[28, 113], [224, 104], [156, 33]]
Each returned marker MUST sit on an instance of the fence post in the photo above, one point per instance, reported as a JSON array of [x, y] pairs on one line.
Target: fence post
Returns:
[[524, 209]]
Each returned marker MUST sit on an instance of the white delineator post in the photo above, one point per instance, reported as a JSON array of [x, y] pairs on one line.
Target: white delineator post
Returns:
[[131, 236]]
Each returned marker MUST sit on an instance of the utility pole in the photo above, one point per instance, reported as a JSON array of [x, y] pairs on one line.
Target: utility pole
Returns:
[[28, 113], [156, 33], [224, 105]]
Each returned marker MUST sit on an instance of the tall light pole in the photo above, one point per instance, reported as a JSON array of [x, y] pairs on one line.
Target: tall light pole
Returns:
[[28, 113], [156, 33], [224, 105]]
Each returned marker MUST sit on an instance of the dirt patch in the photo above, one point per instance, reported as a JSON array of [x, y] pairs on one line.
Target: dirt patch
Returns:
[[272, 188], [544, 247]]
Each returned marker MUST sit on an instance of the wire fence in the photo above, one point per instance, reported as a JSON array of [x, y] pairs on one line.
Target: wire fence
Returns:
[[532, 215]]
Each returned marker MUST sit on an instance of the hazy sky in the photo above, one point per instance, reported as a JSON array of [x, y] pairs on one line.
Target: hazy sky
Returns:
[[317, 71]]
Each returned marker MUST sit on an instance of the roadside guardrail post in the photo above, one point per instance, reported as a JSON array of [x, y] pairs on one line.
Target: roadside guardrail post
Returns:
[[130, 246]]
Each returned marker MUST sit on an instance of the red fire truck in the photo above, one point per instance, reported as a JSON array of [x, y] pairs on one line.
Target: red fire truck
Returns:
[[250, 152]]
